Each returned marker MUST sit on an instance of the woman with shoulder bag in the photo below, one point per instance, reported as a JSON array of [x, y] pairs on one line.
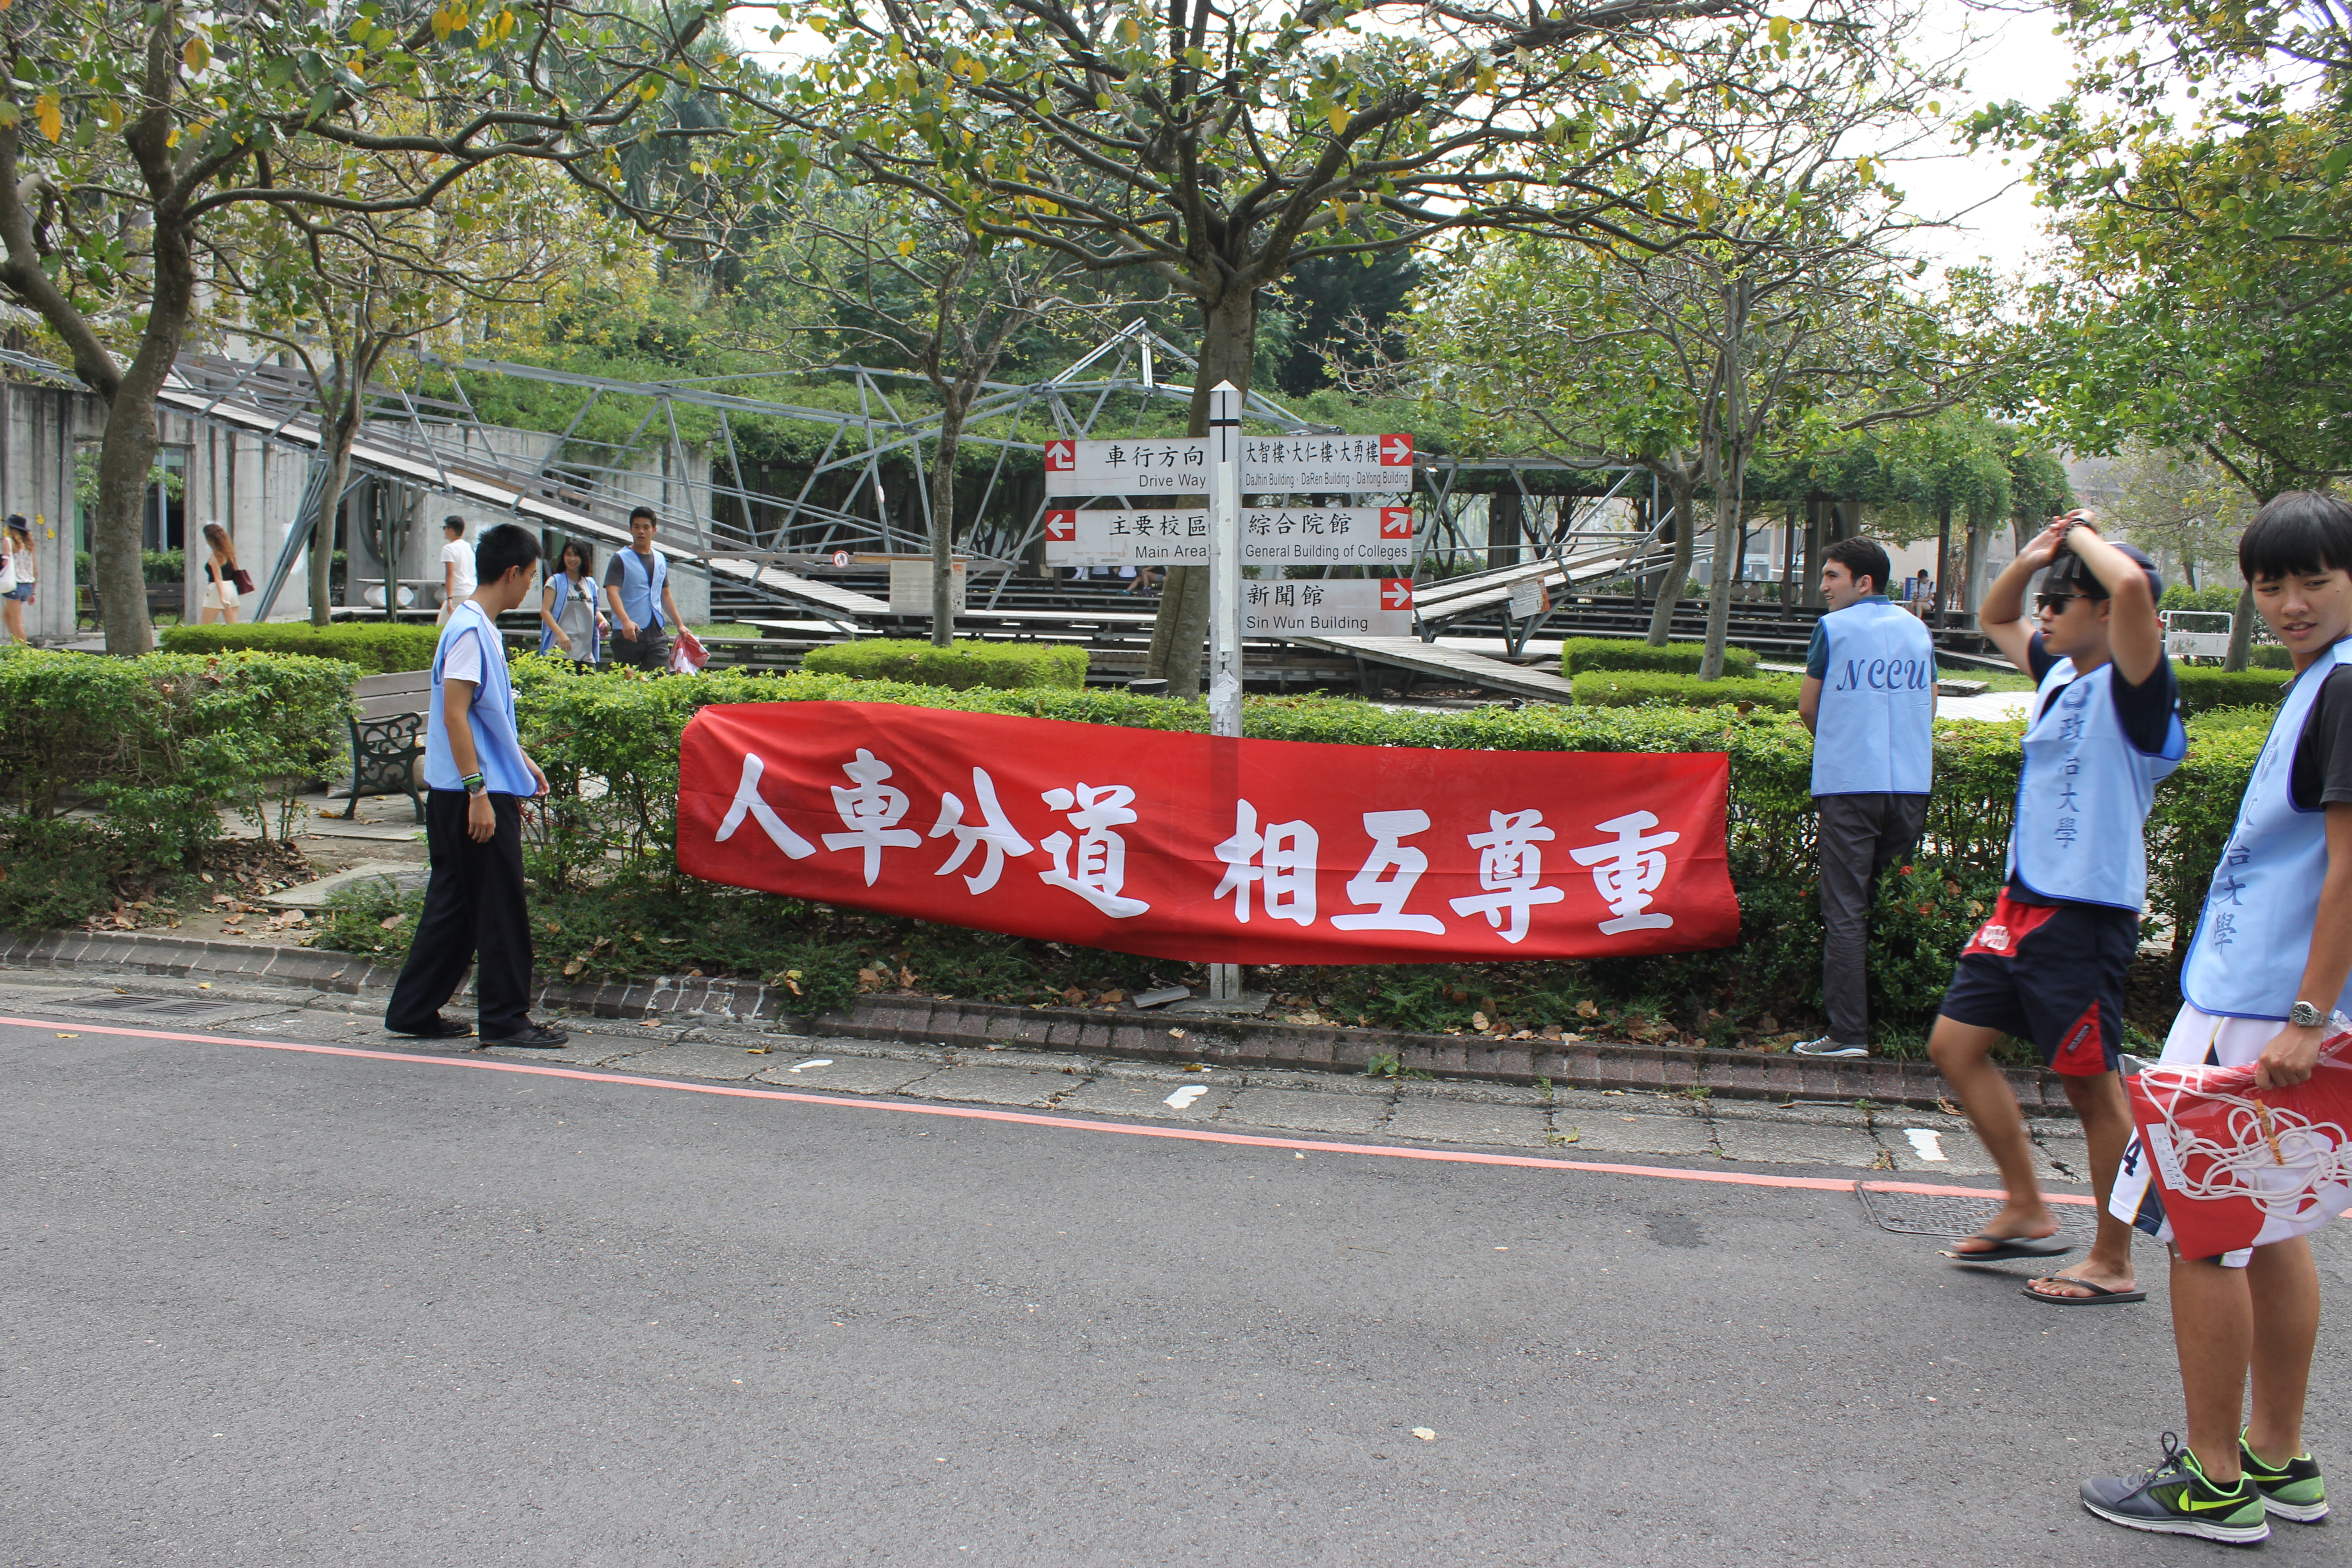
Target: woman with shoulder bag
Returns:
[[225, 580]]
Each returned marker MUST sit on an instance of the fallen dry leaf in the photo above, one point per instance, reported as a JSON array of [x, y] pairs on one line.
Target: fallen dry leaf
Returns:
[[1587, 1010], [1479, 1020]]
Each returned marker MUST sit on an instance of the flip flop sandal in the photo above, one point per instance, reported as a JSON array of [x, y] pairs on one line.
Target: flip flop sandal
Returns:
[[2100, 1296], [2008, 1246]]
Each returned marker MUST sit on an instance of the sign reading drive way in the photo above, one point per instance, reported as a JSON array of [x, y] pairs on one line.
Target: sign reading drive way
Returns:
[[1271, 465]]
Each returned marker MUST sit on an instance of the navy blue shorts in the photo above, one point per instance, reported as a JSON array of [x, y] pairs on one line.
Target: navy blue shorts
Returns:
[[2053, 974]]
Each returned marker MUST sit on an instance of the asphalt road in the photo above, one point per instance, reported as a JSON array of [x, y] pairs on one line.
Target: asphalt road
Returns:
[[269, 1308]]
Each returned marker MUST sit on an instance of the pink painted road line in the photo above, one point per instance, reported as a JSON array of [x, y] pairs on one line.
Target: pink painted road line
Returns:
[[1182, 1134]]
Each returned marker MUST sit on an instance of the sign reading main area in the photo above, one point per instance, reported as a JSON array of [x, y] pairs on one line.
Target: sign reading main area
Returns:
[[1206, 848]]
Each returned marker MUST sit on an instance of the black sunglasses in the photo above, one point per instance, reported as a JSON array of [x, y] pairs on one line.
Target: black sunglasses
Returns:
[[2057, 602]]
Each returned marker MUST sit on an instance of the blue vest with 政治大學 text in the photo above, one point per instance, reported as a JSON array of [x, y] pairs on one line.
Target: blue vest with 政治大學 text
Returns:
[[1874, 732], [2254, 936], [641, 586], [2083, 793], [498, 749]]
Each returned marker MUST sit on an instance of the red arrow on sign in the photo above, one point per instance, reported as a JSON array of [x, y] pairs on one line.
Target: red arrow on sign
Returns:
[[1061, 527], [1061, 457], [1396, 593], [1396, 451], [1396, 523]]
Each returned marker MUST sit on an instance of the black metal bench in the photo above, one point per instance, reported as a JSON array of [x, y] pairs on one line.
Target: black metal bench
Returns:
[[388, 737]]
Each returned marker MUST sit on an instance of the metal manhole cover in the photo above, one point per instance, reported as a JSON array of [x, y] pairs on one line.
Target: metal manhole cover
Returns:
[[152, 1006], [1934, 1213]]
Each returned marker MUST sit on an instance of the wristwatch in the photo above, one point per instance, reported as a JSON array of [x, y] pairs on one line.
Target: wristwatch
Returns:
[[475, 785], [2303, 1016]]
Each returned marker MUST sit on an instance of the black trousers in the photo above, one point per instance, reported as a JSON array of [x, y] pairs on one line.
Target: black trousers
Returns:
[[649, 649], [1861, 836], [473, 905]]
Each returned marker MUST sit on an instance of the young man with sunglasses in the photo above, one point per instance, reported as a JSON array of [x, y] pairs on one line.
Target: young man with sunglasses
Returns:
[[2267, 967], [2049, 965]]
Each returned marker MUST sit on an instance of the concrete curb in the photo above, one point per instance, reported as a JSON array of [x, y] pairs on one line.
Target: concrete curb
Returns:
[[1177, 1038]]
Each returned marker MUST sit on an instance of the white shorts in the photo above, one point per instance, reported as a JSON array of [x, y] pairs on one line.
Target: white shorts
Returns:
[[219, 596], [2199, 1039]]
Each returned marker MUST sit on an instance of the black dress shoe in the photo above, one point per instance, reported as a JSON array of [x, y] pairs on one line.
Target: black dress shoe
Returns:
[[440, 1029], [532, 1038]]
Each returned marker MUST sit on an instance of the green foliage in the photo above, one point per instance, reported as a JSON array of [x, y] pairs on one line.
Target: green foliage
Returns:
[[2203, 688], [160, 745], [2269, 656], [1640, 688], [53, 873], [959, 667], [2213, 597], [1578, 655], [375, 648]]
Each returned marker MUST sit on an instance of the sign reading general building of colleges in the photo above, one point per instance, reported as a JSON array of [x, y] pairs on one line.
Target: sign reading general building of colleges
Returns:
[[1208, 849]]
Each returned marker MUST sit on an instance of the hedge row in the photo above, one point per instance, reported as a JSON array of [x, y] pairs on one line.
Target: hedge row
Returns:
[[376, 648], [160, 745], [2203, 688], [959, 667], [1639, 687], [1578, 655]]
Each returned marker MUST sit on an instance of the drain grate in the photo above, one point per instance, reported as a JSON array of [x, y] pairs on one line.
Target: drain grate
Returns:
[[1933, 1213], [152, 1006]]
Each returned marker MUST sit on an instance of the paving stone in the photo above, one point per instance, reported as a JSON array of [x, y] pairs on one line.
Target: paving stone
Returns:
[[1134, 1097], [1611, 1132], [1778, 1143], [695, 1058], [1169, 1073], [1305, 1110], [2062, 1159], [1381, 1089], [1470, 1091], [996, 1086], [847, 1074], [1720, 1110], [1031, 1061], [1469, 1122]]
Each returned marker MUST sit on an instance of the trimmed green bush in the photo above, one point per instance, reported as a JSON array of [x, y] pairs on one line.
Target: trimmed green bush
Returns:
[[375, 648], [2269, 656], [1578, 655], [160, 745], [2203, 690], [959, 667], [1640, 688]]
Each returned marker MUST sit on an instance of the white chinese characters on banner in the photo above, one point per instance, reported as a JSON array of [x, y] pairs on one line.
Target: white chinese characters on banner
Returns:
[[1510, 864], [1628, 871], [870, 813], [995, 831], [1281, 859], [747, 803], [1386, 878], [1100, 868]]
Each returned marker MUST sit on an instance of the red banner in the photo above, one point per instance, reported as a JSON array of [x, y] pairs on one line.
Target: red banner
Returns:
[[1187, 846]]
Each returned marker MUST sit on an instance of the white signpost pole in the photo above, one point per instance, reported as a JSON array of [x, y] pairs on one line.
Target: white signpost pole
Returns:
[[1225, 602]]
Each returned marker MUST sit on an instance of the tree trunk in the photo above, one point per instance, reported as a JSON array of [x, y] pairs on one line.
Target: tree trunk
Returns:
[[943, 460], [2242, 630], [1973, 562], [117, 533], [1670, 591], [1943, 558], [343, 433], [1727, 510], [1179, 634]]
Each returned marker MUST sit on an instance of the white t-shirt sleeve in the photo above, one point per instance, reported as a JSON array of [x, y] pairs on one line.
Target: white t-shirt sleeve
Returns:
[[460, 554], [465, 660]]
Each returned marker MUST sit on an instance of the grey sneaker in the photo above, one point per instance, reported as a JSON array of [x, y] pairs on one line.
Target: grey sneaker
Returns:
[[1826, 1047]]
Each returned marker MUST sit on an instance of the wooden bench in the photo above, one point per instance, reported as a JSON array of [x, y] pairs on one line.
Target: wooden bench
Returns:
[[388, 737]]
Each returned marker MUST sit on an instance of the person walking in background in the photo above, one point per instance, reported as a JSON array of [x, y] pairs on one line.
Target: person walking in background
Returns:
[[222, 576], [568, 615], [18, 577], [2268, 966], [458, 578], [476, 777], [1869, 697], [637, 586], [2049, 964]]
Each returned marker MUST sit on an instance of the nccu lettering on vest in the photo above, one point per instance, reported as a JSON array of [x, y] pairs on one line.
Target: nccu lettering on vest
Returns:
[[2084, 794], [497, 750], [641, 587], [1875, 732], [2254, 936]]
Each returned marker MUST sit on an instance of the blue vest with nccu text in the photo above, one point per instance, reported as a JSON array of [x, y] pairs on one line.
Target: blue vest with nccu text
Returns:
[[2254, 937], [1875, 732], [497, 752], [641, 587], [2084, 794]]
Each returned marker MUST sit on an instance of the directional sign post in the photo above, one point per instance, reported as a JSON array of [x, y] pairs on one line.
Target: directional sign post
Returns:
[[1329, 606], [1224, 441], [1167, 466], [1327, 536], [1120, 536], [1327, 465]]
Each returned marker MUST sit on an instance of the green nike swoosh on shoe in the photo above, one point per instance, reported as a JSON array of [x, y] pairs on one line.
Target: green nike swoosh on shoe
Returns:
[[2293, 1491], [2176, 1498]]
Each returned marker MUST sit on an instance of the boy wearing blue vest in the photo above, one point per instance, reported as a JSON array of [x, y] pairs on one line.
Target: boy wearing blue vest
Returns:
[[1869, 697], [476, 776], [2267, 967], [636, 584], [2049, 965]]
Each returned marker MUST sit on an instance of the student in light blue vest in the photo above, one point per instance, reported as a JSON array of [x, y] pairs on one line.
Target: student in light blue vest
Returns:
[[476, 778], [1869, 697], [2268, 966], [2048, 967], [636, 584]]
